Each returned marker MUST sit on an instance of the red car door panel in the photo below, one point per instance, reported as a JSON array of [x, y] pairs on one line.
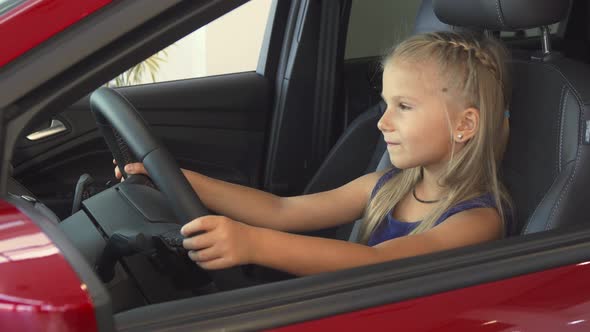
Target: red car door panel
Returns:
[[552, 300]]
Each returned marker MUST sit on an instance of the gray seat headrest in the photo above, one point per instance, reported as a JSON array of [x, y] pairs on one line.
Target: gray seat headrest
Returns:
[[426, 20], [504, 15]]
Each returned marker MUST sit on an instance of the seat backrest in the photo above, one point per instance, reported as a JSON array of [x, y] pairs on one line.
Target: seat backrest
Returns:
[[359, 140], [549, 144]]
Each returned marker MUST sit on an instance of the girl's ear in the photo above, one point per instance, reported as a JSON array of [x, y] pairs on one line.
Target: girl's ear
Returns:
[[467, 124]]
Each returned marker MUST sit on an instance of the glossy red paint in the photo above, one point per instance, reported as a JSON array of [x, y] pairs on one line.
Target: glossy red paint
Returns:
[[552, 300], [39, 291], [35, 21]]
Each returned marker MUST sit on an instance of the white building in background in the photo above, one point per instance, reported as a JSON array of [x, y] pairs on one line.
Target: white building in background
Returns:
[[230, 44]]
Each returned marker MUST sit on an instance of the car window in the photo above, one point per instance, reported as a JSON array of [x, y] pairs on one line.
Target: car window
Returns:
[[230, 44], [375, 25]]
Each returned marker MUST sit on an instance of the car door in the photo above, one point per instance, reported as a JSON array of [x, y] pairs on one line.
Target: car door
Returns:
[[206, 96]]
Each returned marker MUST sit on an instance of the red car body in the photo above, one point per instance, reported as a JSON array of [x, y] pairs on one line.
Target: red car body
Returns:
[[40, 291], [19, 26]]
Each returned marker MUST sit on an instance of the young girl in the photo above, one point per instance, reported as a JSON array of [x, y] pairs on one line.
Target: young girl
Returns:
[[445, 128]]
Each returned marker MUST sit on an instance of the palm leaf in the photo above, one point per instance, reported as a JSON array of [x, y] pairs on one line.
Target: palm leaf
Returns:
[[135, 74]]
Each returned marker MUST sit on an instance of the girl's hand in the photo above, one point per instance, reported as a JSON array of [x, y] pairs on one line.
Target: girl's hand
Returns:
[[224, 242], [135, 168]]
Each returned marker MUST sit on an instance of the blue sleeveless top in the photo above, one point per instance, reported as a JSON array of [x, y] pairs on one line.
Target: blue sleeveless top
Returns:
[[392, 228]]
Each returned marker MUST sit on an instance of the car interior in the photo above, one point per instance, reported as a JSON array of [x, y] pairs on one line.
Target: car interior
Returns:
[[289, 137]]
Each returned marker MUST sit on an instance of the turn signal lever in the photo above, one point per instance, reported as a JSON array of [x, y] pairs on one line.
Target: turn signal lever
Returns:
[[82, 191], [120, 244], [164, 239]]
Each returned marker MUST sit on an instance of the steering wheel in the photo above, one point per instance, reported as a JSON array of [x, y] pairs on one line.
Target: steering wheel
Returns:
[[126, 131], [128, 135]]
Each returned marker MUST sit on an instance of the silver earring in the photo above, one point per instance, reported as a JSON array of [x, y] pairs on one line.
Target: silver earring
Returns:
[[459, 136]]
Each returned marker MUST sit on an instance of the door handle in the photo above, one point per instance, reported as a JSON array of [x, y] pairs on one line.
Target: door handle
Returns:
[[55, 128]]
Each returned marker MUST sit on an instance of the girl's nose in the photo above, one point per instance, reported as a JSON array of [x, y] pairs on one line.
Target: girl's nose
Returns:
[[385, 124]]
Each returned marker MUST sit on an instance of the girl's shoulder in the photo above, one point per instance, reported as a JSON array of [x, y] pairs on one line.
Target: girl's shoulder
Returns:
[[482, 201], [388, 175]]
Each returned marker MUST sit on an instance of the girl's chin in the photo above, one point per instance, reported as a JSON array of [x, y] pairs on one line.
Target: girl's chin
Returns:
[[397, 163], [400, 164]]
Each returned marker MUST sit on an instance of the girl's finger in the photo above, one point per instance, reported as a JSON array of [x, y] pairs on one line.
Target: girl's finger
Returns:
[[135, 168], [204, 255], [216, 264], [118, 174], [205, 223], [199, 242]]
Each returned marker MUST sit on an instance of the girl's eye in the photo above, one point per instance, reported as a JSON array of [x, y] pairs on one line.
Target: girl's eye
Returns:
[[404, 107]]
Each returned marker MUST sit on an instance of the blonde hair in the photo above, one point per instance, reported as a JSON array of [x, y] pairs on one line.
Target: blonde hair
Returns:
[[475, 69]]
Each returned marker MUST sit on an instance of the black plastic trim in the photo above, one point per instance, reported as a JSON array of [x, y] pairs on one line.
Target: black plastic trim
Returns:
[[329, 294], [287, 159], [290, 31], [100, 297], [273, 39], [327, 78]]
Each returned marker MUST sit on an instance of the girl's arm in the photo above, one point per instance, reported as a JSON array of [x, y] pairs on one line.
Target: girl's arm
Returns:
[[228, 243], [298, 213]]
